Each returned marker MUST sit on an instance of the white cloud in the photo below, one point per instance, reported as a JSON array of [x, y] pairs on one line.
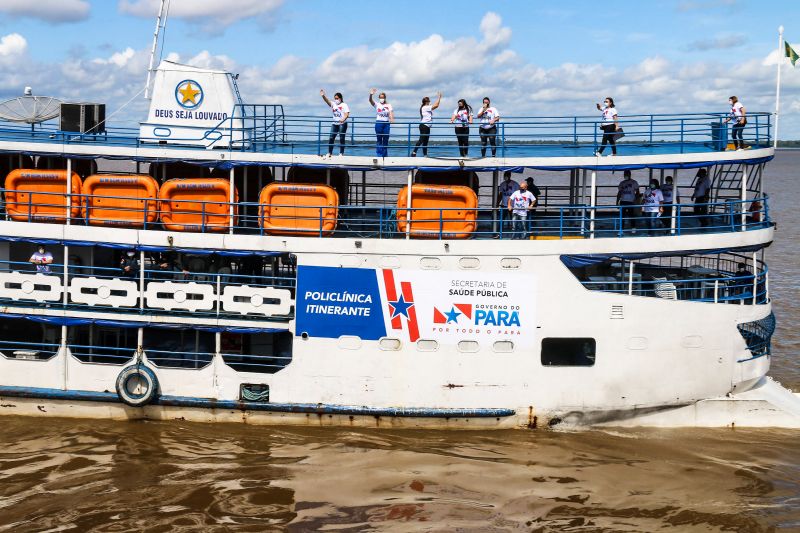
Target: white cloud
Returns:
[[211, 15], [54, 11], [12, 45]]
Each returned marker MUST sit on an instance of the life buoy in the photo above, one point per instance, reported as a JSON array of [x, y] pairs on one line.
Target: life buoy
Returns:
[[137, 385]]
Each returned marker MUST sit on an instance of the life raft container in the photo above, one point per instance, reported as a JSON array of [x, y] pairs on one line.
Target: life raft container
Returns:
[[298, 209], [199, 204], [41, 195], [438, 211], [120, 200]]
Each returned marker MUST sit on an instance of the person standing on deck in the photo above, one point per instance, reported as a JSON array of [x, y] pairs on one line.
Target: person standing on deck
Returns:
[[627, 191], [504, 192], [488, 129], [609, 125], [701, 196], [519, 204], [671, 197], [384, 116], [534, 190], [425, 120], [462, 117], [738, 115], [42, 259], [653, 206], [341, 112]]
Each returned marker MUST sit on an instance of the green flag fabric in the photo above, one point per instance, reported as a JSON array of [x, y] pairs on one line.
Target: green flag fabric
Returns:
[[790, 53]]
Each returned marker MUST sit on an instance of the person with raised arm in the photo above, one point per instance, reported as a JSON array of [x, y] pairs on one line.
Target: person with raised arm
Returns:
[[462, 117], [341, 112], [488, 129], [609, 124], [384, 116], [425, 120]]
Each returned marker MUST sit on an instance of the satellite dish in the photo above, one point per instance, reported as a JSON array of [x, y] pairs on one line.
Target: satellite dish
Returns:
[[30, 109]]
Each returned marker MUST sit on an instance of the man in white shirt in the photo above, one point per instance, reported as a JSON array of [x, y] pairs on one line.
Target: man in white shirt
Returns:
[[42, 259], [488, 130], [653, 206], [519, 203]]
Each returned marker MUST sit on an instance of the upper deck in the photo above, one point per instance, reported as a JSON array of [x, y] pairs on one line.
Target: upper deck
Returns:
[[264, 135]]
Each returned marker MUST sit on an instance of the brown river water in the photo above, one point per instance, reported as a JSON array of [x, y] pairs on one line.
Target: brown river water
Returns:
[[74, 475]]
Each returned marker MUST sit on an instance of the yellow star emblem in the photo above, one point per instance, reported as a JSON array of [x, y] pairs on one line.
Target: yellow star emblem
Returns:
[[189, 94]]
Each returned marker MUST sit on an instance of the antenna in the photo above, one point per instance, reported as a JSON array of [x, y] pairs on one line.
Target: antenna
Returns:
[[160, 24]]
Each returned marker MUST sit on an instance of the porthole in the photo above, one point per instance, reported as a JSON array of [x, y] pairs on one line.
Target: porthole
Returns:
[[427, 345], [390, 344], [510, 263], [430, 263], [503, 346], [469, 263], [349, 342], [390, 261], [468, 346]]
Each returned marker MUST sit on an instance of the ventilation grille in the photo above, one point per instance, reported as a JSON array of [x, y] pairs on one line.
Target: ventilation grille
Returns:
[[617, 312]]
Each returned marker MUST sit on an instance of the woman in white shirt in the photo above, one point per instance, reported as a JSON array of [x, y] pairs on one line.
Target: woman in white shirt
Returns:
[[425, 120], [341, 112], [738, 115], [488, 130], [609, 125], [462, 117], [384, 116]]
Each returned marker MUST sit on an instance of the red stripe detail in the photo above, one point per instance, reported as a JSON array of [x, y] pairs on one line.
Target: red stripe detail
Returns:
[[466, 309], [438, 317], [391, 295], [413, 328]]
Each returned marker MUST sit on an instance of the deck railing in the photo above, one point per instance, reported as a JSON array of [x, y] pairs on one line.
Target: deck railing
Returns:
[[552, 222], [260, 128]]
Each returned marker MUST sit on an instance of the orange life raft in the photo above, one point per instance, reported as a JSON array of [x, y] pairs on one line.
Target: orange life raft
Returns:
[[200, 204], [120, 200], [298, 209], [41, 195], [438, 211]]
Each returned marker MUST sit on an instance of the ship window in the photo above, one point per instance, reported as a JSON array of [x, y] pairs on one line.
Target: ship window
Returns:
[[503, 346], [427, 345], [102, 345], [265, 353], [27, 340], [568, 351], [468, 346], [390, 344], [349, 342], [184, 348]]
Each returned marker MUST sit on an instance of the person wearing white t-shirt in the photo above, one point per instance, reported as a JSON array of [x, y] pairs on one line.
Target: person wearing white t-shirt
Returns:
[[341, 112], [653, 205], [384, 116], [462, 117], [425, 121], [519, 204], [488, 129], [42, 259], [609, 125], [738, 115]]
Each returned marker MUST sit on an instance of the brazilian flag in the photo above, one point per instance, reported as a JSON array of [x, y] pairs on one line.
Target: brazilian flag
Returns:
[[790, 53]]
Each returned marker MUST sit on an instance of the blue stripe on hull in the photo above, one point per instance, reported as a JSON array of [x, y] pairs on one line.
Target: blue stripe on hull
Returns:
[[299, 408]]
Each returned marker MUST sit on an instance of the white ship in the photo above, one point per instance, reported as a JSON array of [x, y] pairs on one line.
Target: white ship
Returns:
[[235, 274]]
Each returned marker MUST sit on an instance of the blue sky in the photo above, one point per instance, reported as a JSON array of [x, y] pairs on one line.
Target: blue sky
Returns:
[[545, 58]]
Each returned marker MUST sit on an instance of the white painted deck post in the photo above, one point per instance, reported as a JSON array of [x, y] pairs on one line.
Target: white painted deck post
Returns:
[[593, 202], [69, 191], [231, 186], [755, 276], [410, 183], [744, 197], [630, 278], [495, 178], [141, 279]]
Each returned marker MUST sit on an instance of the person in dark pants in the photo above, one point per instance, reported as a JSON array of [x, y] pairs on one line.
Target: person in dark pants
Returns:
[[462, 117], [341, 112], [627, 193], [488, 129], [384, 116], [425, 120], [701, 196], [534, 190], [738, 115], [609, 125], [504, 192], [129, 265]]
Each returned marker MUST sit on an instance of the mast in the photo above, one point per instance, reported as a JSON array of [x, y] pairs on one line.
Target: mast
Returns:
[[156, 33], [778, 88]]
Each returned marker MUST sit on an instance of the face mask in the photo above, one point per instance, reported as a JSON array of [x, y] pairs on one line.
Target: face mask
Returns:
[[41, 250], [338, 101], [652, 187], [130, 254], [382, 100]]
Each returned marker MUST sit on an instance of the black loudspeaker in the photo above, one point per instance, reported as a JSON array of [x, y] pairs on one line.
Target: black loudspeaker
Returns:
[[83, 118]]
